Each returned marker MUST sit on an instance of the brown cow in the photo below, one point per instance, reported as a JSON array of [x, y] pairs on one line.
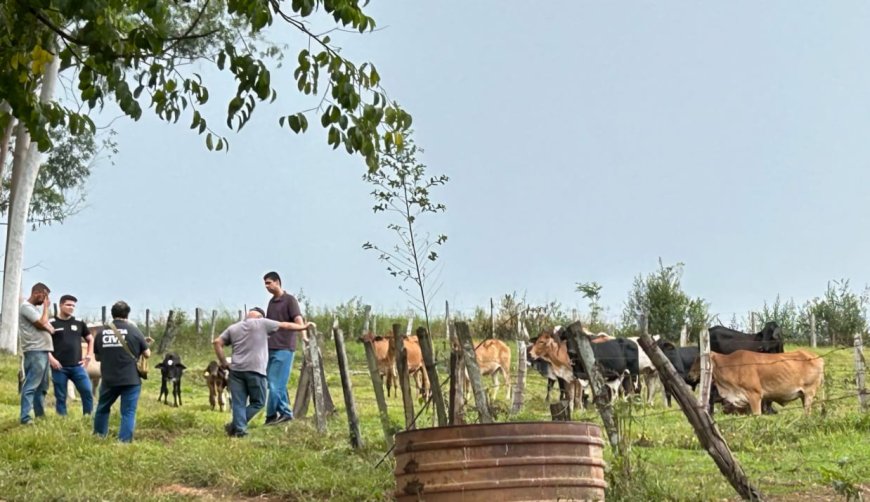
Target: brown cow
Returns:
[[416, 366], [556, 353], [385, 354], [745, 378], [493, 357]]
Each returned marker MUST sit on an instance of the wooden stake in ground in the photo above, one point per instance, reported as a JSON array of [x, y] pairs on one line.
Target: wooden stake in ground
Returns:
[[197, 320], [684, 336], [317, 385], [104, 318], [480, 400], [402, 370], [520, 390], [579, 342], [356, 440], [860, 371], [432, 371], [147, 323], [457, 385], [303, 387], [706, 367], [213, 319], [491, 319], [378, 386], [169, 332], [707, 432], [813, 330]]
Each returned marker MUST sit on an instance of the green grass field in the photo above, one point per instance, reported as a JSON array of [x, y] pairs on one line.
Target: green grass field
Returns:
[[182, 453]]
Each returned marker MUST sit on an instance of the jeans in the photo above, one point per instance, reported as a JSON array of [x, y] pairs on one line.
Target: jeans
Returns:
[[278, 373], [35, 384], [80, 379], [245, 385], [129, 395]]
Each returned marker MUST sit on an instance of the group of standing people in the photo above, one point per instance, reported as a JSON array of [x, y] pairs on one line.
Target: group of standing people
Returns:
[[263, 345], [52, 349]]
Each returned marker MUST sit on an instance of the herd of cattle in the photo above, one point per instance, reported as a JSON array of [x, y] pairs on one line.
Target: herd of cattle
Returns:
[[749, 371]]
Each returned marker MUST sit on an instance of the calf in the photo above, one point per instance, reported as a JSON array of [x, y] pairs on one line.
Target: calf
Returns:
[[217, 379], [746, 378], [171, 370], [555, 352], [493, 357], [414, 357], [385, 357]]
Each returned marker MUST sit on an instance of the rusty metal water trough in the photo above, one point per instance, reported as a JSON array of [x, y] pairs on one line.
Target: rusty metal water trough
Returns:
[[501, 462]]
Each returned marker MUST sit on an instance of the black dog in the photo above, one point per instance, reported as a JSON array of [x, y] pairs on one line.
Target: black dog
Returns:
[[171, 370]]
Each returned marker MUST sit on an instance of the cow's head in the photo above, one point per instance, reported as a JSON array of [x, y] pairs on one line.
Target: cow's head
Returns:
[[771, 338], [545, 344], [171, 367]]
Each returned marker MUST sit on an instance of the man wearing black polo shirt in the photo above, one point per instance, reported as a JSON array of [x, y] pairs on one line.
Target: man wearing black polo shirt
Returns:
[[283, 307], [66, 361]]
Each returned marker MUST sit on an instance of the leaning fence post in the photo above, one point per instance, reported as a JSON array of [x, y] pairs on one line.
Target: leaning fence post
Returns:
[[706, 368], [473, 370], [402, 370], [457, 384], [350, 407], [813, 330], [696, 413], [860, 370], [432, 371], [317, 384], [303, 387], [581, 344], [520, 391], [378, 386]]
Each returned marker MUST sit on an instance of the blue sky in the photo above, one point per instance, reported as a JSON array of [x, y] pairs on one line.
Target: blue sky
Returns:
[[584, 140]]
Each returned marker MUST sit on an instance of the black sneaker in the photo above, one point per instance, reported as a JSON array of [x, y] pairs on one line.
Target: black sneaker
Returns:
[[281, 419], [271, 420]]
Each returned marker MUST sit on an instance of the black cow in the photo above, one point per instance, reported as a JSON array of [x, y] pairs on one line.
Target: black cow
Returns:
[[726, 340], [171, 370]]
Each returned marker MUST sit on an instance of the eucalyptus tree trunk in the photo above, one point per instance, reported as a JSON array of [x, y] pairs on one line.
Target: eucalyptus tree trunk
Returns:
[[25, 168]]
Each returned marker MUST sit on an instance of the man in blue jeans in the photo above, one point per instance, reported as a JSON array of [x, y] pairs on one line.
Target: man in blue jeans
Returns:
[[118, 368], [283, 307], [66, 361], [34, 334], [249, 341]]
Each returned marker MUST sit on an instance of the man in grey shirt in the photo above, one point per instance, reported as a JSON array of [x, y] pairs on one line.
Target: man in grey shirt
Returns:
[[250, 342], [34, 334]]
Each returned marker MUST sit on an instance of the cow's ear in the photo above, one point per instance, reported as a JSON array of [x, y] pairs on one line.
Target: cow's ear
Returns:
[[181, 366], [159, 365]]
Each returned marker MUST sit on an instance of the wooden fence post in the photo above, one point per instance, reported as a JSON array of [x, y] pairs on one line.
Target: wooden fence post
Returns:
[[168, 334], [213, 320], [241, 316], [303, 387], [356, 440], [491, 318], [55, 310], [432, 371], [147, 323], [520, 390], [696, 413], [706, 368], [104, 315], [684, 336], [582, 345], [317, 385], [378, 386], [402, 370], [752, 321], [860, 370], [813, 330], [480, 400]]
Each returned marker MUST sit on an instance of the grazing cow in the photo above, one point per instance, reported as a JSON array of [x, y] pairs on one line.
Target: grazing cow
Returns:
[[493, 357], [217, 380], [726, 340], [385, 356], [414, 356], [171, 370], [746, 378]]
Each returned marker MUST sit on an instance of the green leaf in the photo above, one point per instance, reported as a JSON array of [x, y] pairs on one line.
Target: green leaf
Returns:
[[208, 142]]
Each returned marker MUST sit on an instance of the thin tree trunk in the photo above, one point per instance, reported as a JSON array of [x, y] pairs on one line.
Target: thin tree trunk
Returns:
[[25, 168]]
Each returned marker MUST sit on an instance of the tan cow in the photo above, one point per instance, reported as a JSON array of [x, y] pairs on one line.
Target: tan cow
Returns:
[[416, 368], [546, 347], [385, 356], [493, 357], [745, 378]]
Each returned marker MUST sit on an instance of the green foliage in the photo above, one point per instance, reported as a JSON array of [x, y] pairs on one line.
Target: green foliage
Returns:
[[60, 184], [403, 191], [697, 317], [661, 297], [789, 318], [592, 292], [839, 313], [140, 55]]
